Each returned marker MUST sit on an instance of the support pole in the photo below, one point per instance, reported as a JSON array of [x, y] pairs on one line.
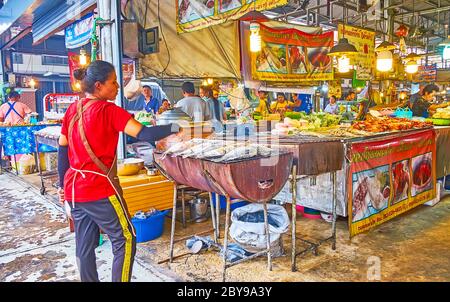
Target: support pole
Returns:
[[333, 226], [172, 230], [294, 218], [225, 240], [266, 227]]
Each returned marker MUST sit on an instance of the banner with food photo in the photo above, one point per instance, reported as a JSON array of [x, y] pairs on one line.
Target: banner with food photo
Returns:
[[364, 42], [197, 14], [290, 55], [390, 177]]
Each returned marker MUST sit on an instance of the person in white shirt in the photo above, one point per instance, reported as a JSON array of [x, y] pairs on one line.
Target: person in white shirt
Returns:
[[193, 105], [332, 107]]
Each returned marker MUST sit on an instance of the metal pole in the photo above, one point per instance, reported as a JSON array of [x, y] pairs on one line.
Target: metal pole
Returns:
[[218, 215], [294, 218], [333, 226], [174, 214], [225, 240], [266, 226], [213, 217]]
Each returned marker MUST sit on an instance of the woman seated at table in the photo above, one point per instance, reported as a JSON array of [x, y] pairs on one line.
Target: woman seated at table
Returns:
[[13, 112]]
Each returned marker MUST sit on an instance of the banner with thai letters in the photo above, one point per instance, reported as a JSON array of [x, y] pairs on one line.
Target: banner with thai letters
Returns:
[[364, 41], [389, 177], [197, 14]]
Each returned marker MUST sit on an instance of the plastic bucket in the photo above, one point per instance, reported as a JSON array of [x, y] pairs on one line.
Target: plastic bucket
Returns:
[[150, 228]]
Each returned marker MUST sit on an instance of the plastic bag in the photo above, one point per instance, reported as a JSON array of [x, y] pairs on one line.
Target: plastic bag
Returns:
[[247, 225]]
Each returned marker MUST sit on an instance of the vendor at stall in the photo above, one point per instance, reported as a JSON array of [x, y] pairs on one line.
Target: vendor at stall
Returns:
[[263, 106], [13, 112], [332, 107], [87, 170], [193, 105], [299, 105], [216, 108], [281, 105], [423, 106], [164, 106], [145, 101]]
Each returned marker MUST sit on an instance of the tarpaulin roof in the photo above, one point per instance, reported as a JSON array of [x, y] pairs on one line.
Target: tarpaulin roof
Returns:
[[211, 52]]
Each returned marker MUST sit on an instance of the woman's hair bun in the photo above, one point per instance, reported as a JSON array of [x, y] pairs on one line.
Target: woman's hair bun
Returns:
[[80, 73]]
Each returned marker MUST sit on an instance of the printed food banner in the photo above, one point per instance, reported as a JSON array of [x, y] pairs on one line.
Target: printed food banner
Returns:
[[390, 177], [197, 14], [364, 41], [290, 55], [426, 73]]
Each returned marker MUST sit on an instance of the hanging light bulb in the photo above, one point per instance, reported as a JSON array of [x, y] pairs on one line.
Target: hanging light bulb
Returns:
[[255, 38], [204, 83], [411, 66], [83, 57], [32, 83], [210, 81], [343, 64], [78, 86], [384, 61]]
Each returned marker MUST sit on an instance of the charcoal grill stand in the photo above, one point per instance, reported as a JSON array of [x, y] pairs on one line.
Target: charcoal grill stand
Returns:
[[174, 211], [227, 227], [312, 246]]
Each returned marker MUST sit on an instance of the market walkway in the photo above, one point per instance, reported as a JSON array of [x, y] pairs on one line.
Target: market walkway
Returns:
[[36, 244]]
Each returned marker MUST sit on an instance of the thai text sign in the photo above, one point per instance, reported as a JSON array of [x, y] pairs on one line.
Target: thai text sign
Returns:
[[364, 41], [197, 14], [390, 177], [290, 55]]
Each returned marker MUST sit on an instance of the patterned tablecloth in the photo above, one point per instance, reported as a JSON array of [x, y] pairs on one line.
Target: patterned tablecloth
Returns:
[[20, 139]]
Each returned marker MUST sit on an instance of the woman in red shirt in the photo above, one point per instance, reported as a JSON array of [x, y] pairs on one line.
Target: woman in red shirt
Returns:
[[87, 170]]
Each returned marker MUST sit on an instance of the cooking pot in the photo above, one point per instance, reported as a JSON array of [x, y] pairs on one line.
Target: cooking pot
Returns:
[[175, 115], [129, 166]]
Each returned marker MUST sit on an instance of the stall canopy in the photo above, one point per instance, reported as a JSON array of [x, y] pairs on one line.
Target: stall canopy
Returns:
[[209, 52]]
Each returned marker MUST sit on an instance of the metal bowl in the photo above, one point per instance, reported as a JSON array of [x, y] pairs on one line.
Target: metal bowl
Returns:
[[129, 166]]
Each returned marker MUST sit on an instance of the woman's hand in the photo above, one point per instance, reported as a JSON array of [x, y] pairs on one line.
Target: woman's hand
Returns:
[[61, 195]]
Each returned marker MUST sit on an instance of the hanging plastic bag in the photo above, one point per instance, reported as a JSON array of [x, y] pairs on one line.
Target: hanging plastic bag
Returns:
[[247, 226]]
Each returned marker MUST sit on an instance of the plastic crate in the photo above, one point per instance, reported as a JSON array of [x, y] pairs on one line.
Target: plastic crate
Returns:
[[150, 228]]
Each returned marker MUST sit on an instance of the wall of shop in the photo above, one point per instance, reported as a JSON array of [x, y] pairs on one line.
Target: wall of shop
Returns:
[[39, 64]]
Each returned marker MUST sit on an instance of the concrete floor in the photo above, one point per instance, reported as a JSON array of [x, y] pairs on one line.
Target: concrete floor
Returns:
[[412, 247], [37, 245]]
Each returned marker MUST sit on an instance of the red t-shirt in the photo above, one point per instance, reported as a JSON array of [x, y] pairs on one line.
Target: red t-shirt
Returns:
[[102, 123]]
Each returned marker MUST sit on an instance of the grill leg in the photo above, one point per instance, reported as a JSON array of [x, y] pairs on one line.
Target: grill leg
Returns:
[[174, 213], [218, 215], [213, 217], [333, 226], [294, 219], [225, 239], [266, 226], [183, 207]]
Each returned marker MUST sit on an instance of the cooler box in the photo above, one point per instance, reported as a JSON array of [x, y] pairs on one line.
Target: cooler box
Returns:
[[143, 192]]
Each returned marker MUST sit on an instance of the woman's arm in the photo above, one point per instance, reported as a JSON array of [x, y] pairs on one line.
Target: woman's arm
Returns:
[[63, 159], [150, 134]]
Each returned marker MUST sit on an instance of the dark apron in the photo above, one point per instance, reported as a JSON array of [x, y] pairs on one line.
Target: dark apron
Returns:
[[109, 173]]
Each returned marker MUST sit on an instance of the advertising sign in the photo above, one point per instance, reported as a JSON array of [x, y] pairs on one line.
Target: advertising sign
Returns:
[[390, 177], [79, 32], [364, 41], [427, 73], [197, 14], [290, 55]]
